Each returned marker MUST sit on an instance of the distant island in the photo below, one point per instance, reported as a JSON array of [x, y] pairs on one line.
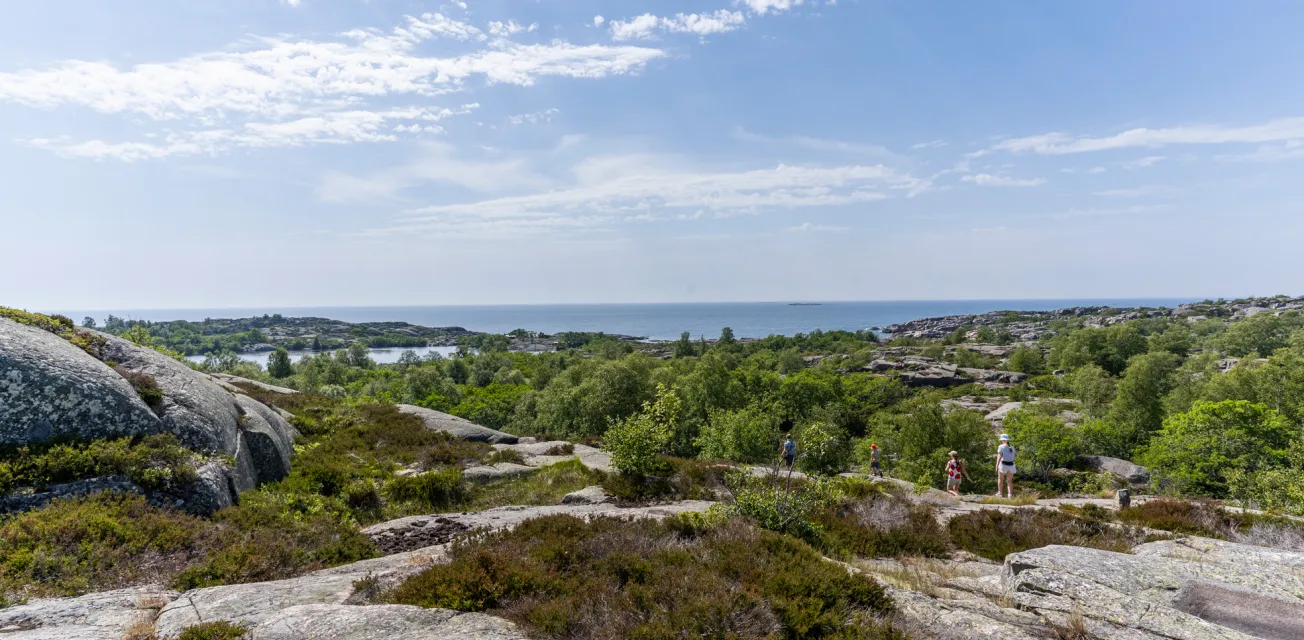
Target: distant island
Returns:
[[805, 304]]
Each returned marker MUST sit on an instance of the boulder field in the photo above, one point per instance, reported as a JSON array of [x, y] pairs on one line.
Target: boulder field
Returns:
[[53, 389]]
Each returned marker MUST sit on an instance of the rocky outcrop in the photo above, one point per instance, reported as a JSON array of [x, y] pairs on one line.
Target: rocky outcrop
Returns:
[[459, 428], [587, 495], [51, 389], [108, 615], [413, 530], [381, 622], [1133, 474], [237, 380], [249, 605]]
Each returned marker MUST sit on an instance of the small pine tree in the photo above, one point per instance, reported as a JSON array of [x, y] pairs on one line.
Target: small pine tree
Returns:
[[278, 365]]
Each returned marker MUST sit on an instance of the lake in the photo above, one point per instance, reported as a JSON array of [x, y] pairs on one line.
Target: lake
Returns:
[[382, 356]]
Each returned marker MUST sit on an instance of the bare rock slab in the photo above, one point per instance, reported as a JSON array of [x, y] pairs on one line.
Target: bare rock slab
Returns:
[[381, 622], [107, 615], [459, 428]]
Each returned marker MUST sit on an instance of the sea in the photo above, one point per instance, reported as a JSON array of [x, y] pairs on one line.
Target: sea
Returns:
[[660, 321]]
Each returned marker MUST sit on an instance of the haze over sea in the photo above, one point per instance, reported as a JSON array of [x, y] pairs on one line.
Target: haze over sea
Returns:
[[663, 321]]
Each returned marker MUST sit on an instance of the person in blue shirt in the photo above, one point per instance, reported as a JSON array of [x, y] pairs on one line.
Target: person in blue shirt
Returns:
[[788, 451]]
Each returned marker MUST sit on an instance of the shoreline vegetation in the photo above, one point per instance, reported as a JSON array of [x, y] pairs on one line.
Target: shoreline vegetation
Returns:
[[1197, 410]]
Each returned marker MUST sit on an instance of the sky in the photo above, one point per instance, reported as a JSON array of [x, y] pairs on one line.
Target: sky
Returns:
[[229, 153]]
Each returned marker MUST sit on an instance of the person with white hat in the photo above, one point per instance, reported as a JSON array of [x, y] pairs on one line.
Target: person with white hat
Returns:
[[1005, 467]]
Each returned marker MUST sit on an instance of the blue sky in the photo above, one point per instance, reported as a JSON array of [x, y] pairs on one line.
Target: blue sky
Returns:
[[161, 154]]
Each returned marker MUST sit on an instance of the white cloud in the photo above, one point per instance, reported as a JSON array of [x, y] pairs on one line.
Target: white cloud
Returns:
[[990, 180], [765, 6], [611, 189], [435, 164], [701, 24], [292, 3], [808, 227], [1148, 161], [1097, 170], [1269, 153], [1281, 130], [532, 118], [281, 91], [510, 28], [1138, 192], [931, 144], [598, 20]]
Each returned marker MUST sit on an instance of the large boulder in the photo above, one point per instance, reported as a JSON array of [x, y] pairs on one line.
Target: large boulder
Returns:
[[459, 428], [51, 389], [1133, 474]]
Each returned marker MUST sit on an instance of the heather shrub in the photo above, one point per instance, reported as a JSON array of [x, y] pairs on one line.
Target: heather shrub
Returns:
[[878, 524], [212, 631], [432, 489], [561, 576], [993, 534]]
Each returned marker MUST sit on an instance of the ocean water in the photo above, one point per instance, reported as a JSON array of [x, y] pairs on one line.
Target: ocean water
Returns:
[[653, 321]]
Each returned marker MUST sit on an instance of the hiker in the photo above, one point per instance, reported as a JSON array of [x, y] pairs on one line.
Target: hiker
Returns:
[[954, 470], [874, 462], [1005, 467], [788, 451]]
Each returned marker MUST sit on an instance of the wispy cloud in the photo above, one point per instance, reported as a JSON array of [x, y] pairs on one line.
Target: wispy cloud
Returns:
[[931, 144], [702, 24], [283, 91], [1139, 192], [1140, 163], [532, 118], [819, 144], [437, 162], [612, 189], [807, 227], [1281, 130], [991, 180]]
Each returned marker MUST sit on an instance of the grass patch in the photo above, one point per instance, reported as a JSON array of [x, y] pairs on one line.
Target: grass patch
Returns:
[[1210, 520], [505, 455], [881, 525], [993, 534], [563, 577], [155, 462], [430, 490], [567, 449], [544, 487], [212, 631]]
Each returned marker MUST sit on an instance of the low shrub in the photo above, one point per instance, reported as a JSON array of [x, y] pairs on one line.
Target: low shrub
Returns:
[[567, 449], [212, 631], [543, 487], [1196, 518], [677, 479], [273, 535], [145, 385], [155, 462], [561, 576], [993, 534], [881, 525], [778, 505], [432, 489], [104, 541], [505, 455]]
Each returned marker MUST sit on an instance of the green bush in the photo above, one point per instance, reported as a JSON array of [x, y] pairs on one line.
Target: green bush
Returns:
[[1195, 450], [103, 541], [994, 535], [432, 489], [780, 504], [823, 449], [1044, 443], [637, 443], [1027, 360], [746, 435], [505, 455], [563, 577], [212, 631], [155, 462]]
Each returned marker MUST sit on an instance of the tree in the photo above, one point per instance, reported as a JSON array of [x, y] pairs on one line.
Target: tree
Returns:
[[726, 337], [88, 322], [278, 364], [822, 449], [748, 435], [1027, 360], [1177, 339], [1138, 407], [358, 356], [920, 435], [1110, 347], [637, 443], [684, 346], [1195, 451], [316, 343], [458, 370], [1044, 443], [1262, 334], [1094, 389]]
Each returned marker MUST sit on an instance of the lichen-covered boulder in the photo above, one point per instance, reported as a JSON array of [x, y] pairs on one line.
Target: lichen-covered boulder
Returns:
[[52, 389], [459, 428]]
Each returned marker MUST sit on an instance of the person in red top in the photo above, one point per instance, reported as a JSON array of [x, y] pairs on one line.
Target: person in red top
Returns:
[[954, 470]]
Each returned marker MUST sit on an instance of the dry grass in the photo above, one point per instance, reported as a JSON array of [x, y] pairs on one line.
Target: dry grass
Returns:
[[924, 575], [141, 630]]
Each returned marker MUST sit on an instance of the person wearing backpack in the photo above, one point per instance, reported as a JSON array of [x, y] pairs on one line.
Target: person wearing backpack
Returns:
[[954, 472], [1005, 467], [788, 451]]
